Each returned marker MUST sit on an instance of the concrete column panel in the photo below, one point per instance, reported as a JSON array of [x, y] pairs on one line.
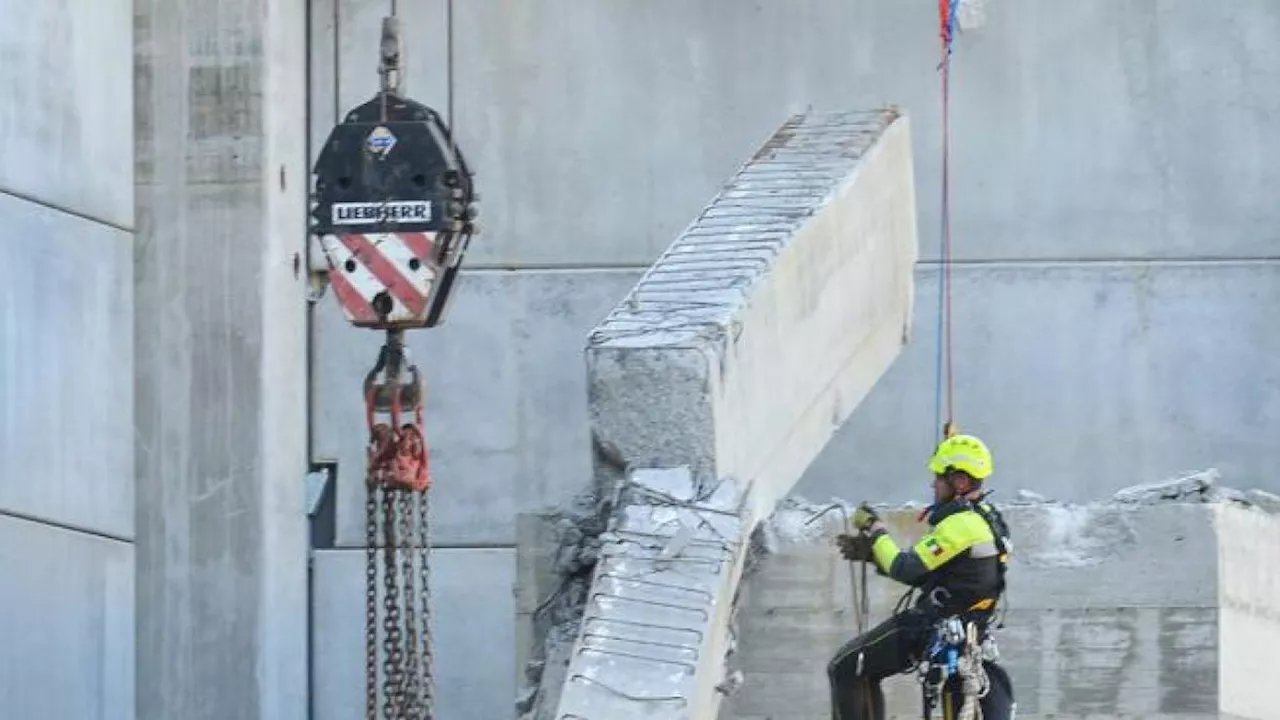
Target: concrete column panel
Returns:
[[506, 407], [66, 132], [221, 360], [473, 610], [67, 621], [1081, 377], [66, 431], [1140, 138]]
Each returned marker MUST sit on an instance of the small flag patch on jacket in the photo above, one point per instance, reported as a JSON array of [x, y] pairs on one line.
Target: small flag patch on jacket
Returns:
[[933, 546]]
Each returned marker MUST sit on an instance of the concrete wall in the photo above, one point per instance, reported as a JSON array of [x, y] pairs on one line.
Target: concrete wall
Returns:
[[1113, 611], [1112, 172], [221, 348], [475, 649], [66, 361]]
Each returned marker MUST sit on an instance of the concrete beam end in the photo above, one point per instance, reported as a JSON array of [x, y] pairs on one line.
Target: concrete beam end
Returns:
[[761, 328]]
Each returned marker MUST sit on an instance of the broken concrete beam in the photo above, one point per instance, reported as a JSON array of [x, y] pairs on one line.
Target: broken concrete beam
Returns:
[[1118, 610], [654, 619], [766, 322], [732, 361]]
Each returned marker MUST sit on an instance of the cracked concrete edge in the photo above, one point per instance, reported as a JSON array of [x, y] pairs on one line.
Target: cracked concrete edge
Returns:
[[654, 627]]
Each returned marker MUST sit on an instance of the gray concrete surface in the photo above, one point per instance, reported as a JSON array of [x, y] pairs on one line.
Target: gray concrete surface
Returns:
[[221, 359], [66, 361], [1085, 129], [67, 126], [1082, 377], [67, 621], [475, 638], [1116, 611], [66, 370]]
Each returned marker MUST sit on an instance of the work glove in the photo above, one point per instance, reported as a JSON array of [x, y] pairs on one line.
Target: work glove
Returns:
[[866, 520], [855, 548]]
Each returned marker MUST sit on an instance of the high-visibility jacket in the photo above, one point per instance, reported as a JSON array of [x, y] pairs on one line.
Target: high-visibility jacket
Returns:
[[965, 553]]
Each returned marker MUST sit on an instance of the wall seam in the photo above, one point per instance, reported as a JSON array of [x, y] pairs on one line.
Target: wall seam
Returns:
[[69, 527], [65, 210]]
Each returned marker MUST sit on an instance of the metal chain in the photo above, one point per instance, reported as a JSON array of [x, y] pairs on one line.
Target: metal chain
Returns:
[[408, 537], [393, 683], [371, 602], [424, 563]]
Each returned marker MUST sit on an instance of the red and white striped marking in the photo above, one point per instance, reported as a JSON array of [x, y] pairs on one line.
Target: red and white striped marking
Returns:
[[381, 263]]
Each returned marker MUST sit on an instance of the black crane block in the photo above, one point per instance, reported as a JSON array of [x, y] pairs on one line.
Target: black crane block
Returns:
[[393, 211], [401, 174]]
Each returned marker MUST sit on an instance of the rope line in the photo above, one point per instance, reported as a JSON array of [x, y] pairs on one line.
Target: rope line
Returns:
[[944, 381]]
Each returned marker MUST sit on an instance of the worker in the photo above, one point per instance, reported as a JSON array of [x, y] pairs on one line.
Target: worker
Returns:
[[959, 568]]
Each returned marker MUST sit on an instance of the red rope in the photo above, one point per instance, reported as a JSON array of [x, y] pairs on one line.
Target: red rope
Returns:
[[947, 25]]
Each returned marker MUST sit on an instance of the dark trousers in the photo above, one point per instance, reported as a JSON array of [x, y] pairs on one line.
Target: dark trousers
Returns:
[[892, 647]]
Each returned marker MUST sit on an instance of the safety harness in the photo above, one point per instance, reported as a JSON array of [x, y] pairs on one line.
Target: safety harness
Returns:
[[1000, 530]]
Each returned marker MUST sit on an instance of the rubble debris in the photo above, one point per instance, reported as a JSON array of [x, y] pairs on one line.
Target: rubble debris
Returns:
[[1027, 496], [1203, 486], [1270, 502], [558, 617], [1190, 487]]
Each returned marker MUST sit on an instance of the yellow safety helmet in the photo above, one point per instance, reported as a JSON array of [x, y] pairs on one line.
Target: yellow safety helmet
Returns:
[[963, 452]]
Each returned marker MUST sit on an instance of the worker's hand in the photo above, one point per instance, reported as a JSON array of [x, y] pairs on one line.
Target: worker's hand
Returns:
[[855, 548], [866, 520]]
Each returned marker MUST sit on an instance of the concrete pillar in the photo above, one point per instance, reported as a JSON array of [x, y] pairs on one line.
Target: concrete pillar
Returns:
[[220, 344]]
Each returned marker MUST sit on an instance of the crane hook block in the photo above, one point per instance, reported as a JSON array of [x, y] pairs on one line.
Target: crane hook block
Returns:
[[393, 211]]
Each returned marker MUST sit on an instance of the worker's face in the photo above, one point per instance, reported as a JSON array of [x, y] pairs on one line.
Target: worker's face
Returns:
[[942, 491]]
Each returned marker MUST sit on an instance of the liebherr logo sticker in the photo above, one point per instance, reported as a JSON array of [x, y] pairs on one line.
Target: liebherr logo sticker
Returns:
[[391, 212], [380, 141]]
